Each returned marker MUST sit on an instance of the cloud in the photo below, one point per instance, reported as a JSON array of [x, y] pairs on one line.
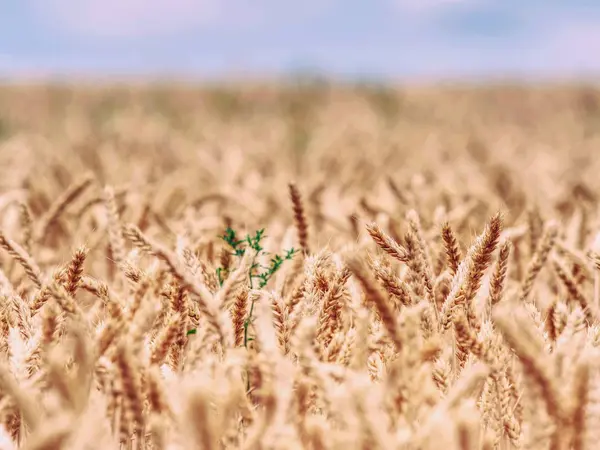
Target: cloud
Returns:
[[147, 18], [571, 45], [114, 18], [578, 37], [430, 8], [403, 38]]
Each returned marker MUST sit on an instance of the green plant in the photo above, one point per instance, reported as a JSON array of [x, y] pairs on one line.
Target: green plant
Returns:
[[257, 272]]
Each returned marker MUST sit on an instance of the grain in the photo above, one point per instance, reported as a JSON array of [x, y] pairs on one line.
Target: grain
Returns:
[[415, 316]]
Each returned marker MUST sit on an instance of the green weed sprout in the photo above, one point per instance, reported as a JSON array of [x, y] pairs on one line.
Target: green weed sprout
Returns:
[[258, 274]]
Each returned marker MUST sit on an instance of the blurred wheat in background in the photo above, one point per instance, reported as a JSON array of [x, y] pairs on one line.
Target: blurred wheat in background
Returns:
[[299, 266]]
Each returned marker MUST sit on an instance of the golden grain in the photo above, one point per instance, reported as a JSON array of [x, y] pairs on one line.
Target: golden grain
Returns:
[[381, 335]]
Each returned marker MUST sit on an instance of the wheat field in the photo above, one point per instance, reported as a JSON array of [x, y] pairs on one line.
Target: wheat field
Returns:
[[301, 265]]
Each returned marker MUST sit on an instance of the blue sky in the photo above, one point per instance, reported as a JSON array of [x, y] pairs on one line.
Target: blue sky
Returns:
[[402, 39]]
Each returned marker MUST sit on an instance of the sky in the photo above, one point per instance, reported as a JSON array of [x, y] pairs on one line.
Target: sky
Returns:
[[388, 39]]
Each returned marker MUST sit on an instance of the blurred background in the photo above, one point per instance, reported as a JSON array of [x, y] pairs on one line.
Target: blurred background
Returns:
[[244, 96], [202, 111], [405, 40]]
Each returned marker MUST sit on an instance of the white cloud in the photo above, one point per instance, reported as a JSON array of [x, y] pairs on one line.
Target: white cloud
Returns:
[[567, 44], [577, 38], [143, 18], [546, 40], [126, 18], [430, 7]]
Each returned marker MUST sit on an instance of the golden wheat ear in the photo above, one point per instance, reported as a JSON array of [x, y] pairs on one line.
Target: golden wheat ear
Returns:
[[299, 218]]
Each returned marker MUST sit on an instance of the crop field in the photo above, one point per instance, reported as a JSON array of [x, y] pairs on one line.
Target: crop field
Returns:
[[301, 265]]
